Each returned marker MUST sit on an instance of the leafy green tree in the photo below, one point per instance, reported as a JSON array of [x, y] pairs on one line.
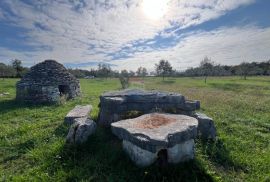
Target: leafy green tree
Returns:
[[142, 72], [244, 69], [104, 70], [6, 71], [206, 67], [131, 73], [17, 65], [163, 68], [124, 79]]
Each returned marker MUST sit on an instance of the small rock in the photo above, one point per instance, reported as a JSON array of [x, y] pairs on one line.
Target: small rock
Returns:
[[77, 112], [80, 131], [206, 127]]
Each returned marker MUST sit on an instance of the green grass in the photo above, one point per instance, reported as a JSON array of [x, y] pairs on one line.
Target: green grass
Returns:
[[32, 137]]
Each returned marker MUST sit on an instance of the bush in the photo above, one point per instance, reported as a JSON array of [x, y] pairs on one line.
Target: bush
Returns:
[[124, 80]]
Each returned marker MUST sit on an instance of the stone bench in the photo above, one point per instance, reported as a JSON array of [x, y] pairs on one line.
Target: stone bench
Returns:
[[81, 125], [166, 137], [77, 112], [114, 106]]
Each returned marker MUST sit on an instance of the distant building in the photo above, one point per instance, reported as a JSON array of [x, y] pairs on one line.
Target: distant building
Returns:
[[47, 82]]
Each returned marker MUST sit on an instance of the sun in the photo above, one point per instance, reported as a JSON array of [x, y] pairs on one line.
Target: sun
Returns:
[[154, 9]]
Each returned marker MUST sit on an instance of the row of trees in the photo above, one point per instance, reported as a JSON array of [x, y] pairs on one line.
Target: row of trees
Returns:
[[210, 68], [15, 69], [105, 71], [206, 68]]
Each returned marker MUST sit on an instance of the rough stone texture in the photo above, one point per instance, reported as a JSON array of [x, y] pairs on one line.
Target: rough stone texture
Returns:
[[114, 106], [156, 131], [47, 82], [77, 112], [138, 155], [181, 152], [178, 153], [206, 127], [80, 131]]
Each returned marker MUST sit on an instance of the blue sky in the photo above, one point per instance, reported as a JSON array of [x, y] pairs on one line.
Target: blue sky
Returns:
[[131, 33]]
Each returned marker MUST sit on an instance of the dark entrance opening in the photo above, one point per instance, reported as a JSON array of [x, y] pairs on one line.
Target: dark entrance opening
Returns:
[[63, 89], [162, 159]]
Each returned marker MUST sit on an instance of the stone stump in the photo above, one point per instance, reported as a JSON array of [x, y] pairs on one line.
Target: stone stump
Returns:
[[168, 138], [80, 131], [206, 127]]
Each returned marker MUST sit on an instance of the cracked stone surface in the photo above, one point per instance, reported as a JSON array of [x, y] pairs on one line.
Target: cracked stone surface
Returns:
[[80, 131], [115, 105], [77, 112], [156, 131]]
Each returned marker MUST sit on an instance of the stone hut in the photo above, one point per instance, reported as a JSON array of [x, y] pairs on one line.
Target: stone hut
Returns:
[[47, 82]]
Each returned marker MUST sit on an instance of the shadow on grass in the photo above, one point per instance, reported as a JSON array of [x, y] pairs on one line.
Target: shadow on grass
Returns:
[[16, 151], [11, 105], [237, 87], [103, 159], [219, 154], [228, 86], [167, 82]]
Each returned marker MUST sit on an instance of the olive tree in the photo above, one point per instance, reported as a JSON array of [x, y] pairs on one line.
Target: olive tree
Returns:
[[163, 68], [206, 67]]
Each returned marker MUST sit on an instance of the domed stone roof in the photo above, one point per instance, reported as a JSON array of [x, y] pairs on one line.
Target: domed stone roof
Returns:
[[47, 81], [48, 72]]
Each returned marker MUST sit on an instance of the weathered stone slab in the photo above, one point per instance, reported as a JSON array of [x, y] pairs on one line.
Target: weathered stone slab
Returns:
[[206, 127], [115, 105], [80, 131], [77, 112], [155, 131]]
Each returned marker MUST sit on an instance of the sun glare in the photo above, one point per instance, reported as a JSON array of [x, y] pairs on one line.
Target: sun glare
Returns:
[[154, 9]]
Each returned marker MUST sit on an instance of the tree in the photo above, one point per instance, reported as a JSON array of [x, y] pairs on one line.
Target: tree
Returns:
[[163, 68], [142, 72], [124, 79], [104, 70], [6, 71], [243, 69], [207, 67], [17, 65], [131, 73]]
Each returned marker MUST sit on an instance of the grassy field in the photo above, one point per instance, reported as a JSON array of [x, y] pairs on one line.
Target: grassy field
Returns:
[[32, 137]]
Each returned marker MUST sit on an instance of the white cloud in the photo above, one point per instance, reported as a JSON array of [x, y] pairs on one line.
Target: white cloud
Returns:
[[83, 31], [224, 46]]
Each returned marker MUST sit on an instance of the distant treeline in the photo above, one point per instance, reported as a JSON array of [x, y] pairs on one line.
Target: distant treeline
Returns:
[[105, 71], [212, 69], [14, 70], [163, 68]]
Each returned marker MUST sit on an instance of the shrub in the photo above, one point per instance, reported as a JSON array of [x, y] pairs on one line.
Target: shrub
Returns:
[[124, 80]]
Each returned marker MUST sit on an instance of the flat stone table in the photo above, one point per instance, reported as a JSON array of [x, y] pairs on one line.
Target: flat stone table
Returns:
[[168, 137]]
